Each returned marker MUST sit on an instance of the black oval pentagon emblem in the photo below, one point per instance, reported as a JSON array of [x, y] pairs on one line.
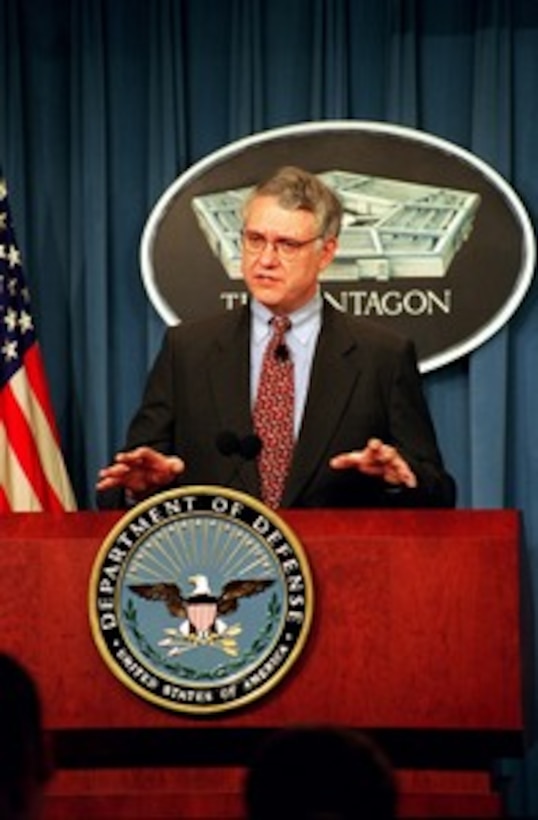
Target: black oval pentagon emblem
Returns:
[[435, 243], [200, 599]]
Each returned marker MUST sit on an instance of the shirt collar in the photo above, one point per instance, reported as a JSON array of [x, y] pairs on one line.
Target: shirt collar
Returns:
[[305, 320]]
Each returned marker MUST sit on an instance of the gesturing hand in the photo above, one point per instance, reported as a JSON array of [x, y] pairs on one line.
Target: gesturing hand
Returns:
[[140, 471], [380, 460]]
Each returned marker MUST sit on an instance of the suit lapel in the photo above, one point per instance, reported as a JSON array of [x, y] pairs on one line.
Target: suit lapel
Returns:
[[229, 373], [334, 375]]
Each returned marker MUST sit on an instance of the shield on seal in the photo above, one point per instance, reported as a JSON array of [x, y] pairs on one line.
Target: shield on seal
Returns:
[[202, 615]]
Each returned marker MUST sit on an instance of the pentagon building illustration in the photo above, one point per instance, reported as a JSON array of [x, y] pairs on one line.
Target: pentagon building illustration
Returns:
[[391, 228]]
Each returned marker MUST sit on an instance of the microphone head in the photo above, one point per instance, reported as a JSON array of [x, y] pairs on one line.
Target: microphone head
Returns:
[[227, 443], [250, 446]]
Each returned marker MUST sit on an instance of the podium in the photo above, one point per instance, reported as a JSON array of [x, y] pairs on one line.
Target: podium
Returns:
[[416, 639]]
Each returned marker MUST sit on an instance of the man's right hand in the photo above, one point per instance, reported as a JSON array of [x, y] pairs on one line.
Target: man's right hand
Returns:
[[141, 472]]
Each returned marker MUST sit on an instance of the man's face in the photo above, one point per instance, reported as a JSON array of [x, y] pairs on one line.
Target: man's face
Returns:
[[283, 281]]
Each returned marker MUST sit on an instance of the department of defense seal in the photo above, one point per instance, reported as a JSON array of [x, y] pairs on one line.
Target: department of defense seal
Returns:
[[200, 599]]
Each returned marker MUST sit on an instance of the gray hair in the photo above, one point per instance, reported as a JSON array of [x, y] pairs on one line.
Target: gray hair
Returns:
[[296, 189]]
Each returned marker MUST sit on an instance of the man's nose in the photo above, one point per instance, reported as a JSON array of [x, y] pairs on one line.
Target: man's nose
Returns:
[[269, 254]]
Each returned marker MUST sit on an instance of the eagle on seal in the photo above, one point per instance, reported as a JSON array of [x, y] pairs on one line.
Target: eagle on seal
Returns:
[[201, 609]]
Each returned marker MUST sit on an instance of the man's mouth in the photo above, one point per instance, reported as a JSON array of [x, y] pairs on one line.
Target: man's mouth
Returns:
[[265, 277]]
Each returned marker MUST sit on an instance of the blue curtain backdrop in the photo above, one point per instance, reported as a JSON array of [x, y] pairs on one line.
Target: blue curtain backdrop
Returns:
[[103, 104]]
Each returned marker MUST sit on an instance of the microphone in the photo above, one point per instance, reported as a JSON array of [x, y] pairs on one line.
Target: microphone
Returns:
[[229, 444], [282, 353], [250, 446], [240, 450]]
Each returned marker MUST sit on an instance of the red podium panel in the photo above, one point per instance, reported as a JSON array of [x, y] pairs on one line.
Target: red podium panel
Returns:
[[416, 638]]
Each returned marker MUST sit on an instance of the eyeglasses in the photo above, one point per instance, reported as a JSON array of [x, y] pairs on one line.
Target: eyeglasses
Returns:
[[285, 247]]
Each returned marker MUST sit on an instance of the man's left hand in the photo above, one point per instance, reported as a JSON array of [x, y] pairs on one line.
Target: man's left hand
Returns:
[[379, 460]]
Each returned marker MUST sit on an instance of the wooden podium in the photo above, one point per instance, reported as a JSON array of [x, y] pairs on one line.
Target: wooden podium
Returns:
[[416, 639]]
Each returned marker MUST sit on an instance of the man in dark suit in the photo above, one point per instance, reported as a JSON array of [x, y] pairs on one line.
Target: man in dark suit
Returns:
[[363, 435]]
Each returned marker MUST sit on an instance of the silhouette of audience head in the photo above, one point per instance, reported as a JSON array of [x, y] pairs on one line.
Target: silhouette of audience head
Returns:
[[24, 763], [320, 773]]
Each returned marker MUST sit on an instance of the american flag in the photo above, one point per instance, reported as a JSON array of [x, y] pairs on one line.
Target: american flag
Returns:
[[33, 476]]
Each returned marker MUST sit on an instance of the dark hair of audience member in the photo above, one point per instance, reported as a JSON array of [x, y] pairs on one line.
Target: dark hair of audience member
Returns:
[[320, 773], [25, 762]]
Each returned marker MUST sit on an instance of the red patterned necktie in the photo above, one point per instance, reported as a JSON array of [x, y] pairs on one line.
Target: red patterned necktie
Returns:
[[273, 414]]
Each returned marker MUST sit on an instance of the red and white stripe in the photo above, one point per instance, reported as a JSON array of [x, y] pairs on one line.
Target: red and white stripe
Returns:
[[33, 476]]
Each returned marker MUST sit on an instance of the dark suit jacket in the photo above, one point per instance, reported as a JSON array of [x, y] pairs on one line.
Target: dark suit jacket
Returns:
[[364, 383]]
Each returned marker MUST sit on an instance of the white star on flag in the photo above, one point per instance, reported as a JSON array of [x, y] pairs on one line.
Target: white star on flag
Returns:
[[33, 476]]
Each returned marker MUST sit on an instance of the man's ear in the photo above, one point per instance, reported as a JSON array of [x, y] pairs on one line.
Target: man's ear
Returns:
[[330, 246]]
